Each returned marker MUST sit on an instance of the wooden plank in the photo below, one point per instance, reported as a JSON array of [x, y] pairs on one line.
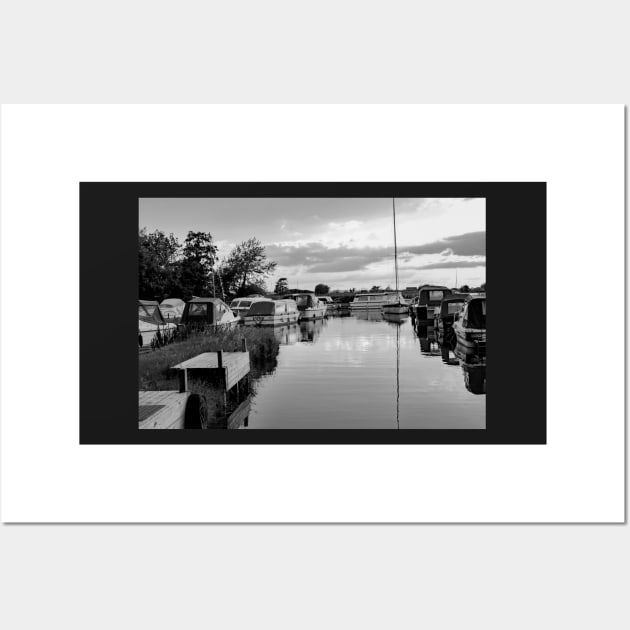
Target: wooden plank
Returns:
[[161, 409], [235, 364], [206, 360], [240, 414], [238, 371]]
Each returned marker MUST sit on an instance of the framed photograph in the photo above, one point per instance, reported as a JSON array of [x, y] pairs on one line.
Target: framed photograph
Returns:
[[312, 312], [261, 314]]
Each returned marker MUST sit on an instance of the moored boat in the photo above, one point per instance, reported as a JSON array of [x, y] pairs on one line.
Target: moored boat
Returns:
[[200, 312], [364, 301], [331, 305], [271, 313], [309, 305], [428, 303], [152, 327], [470, 324], [240, 306], [449, 307]]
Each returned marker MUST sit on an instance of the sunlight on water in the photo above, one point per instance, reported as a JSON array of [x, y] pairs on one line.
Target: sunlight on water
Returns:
[[341, 373]]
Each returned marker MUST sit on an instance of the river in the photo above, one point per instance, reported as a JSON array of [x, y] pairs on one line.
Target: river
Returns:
[[364, 372]]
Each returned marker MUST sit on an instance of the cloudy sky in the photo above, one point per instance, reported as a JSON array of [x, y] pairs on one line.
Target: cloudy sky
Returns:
[[344, 243]]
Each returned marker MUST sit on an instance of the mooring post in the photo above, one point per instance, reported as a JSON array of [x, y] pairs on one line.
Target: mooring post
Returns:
[[244, 344], [183, 381], [220, 358]]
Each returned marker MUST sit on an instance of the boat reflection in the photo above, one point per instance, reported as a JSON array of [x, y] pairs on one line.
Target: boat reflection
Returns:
[[374, 315], [395, 318], [428, 341], [311, 329], [448, 356], [287, 335], [473, 367]]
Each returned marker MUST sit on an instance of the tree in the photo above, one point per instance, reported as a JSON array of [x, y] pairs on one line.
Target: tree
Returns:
[[250, 289], [322, 289], [282, 286], [464, 289], [246, 264], [158, 269], [197, 264], [375, 289], [483, 286]]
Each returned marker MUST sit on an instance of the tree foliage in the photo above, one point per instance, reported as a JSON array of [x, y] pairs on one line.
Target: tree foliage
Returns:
[[166, 269], [322, 289], [198, 258], [282, 286], [158, 269], [246, 264]]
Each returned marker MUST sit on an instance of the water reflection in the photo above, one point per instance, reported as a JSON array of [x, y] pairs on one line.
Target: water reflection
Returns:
[[310, 330], [287, 335], [429, 345], [344, 373], [473, 367], [374, 315], [395, 318]]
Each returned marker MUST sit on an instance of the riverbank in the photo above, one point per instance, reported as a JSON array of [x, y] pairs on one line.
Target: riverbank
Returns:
[[155, 373]]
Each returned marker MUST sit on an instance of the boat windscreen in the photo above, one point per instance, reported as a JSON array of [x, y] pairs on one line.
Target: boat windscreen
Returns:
[[262, 308], [150, 313], [477, 314], [200, 311], [451, 307]]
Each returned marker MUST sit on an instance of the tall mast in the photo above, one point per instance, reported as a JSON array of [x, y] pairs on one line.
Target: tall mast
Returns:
[[395, 246]]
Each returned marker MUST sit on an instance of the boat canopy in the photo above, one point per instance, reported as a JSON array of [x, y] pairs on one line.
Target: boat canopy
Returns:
[[432, 295], [272, 307], [452, 304], [149, 312], [476, 316], [203, 310], [266, 307], [172, 303]]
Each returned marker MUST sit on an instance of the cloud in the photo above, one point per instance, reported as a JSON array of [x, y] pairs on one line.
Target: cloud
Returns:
[[452, 264], [317, 257]]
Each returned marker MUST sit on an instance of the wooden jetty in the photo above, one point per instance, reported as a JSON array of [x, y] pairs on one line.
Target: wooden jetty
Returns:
[[226, 368], [181, 409], [170, 410]]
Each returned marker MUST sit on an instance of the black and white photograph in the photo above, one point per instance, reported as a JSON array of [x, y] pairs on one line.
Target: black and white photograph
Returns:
[[312, 313]]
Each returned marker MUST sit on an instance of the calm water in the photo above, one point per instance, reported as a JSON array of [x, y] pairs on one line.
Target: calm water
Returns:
[[363, 372]]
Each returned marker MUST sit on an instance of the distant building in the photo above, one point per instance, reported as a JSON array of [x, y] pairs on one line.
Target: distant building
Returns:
[[410, 292]]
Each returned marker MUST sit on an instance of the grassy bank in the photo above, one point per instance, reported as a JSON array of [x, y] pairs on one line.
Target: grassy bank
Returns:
[[155, 367]]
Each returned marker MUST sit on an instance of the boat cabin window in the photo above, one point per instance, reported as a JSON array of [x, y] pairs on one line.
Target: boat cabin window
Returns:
[[436, 296], [262, 308], [361, 298], [453, 307], [245, 303], [200, 312], [280, 308], [197, 310], [235, 303], [302, 301]]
